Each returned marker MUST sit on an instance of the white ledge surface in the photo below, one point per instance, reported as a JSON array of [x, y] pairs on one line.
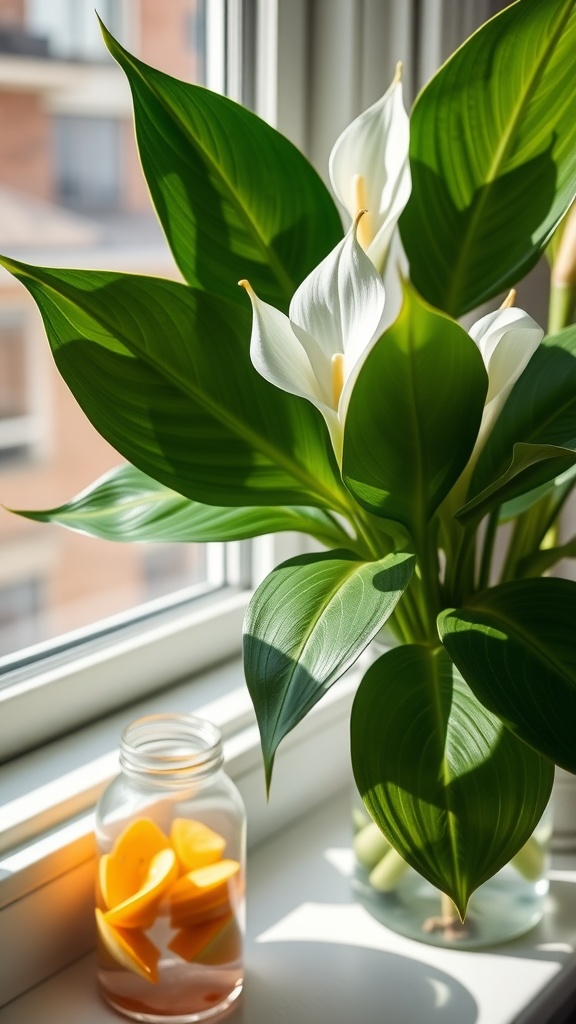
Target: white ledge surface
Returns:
[[315, 956]]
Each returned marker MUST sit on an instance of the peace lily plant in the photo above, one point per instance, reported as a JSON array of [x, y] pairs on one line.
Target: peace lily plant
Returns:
[[349, 400]]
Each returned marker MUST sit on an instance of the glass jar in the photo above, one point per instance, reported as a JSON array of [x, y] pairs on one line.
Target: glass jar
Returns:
[[171, 836], [508, 905]]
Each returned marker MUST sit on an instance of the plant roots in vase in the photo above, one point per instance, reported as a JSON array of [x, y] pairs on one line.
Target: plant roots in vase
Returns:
[[503, 908]]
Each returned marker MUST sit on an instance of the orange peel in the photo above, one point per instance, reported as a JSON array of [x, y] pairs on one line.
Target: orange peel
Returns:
[[195, 844], [198, 895], [140, 909], [188, 943], [129, 948], [225, 947], [121, 873]]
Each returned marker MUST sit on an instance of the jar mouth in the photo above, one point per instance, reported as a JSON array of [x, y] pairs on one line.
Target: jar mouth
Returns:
[[171, 745]]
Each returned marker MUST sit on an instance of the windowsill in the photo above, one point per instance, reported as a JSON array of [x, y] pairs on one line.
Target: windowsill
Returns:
[[316, 956]]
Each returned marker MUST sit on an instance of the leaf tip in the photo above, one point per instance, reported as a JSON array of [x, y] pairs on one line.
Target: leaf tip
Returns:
[[112, 45], [268, 769]]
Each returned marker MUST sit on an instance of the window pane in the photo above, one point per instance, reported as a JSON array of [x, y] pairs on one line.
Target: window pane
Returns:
[[70, 28], [87, 162], [13, 392], [72, 194]]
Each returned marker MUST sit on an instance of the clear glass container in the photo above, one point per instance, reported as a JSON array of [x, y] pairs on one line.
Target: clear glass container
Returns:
[[508, 905], [171, 835]]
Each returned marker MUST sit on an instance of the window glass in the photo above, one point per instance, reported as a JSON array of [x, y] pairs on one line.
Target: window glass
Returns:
[[72, 194], [70, 28], [21, 606], [19, 427], [87, 162]]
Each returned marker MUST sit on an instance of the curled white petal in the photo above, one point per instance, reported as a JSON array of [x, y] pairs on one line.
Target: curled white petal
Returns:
[[277, 353], [369, 168], [507, 340], [282, 358], [340, 304]]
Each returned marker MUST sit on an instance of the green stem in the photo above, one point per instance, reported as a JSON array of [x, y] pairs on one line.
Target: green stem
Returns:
[[398, 623], [412, 603], [460, 567], [427, 555], [561, 307], [529, 530], [488, 548], [365, 533], [556, 503]]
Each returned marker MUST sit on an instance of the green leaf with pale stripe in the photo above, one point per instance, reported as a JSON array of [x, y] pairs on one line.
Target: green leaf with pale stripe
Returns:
[[532, 465], [163, 372], [556, 490], [493, 156], [305, 625], [515, 646], [127, 505], [453, 790], [235, 198], [414, 415]]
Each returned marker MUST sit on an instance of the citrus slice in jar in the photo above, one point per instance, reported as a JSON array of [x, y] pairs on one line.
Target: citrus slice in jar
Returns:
[[188, 943], [121, 873], [129, 948], [225, 947], [199, 894], [140, 909], [196, 844]]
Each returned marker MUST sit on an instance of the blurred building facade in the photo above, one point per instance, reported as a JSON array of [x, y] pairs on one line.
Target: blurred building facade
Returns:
[[72, 194]]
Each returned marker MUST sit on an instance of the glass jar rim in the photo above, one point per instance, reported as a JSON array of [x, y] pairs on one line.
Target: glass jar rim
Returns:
[[171, 747]]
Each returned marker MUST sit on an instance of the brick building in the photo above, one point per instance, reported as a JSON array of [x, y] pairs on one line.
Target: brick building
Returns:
[[72, 194]]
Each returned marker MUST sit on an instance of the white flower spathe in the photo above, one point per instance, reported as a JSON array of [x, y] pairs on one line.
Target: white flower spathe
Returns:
[[370, 170], [507, 340], [335, 316]]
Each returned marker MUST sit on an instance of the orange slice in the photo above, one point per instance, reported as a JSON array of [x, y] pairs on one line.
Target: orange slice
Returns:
[[196, 844], [202, 890], [189, 942], [225, 947], [122, 872], [139, 910], [130, 949]]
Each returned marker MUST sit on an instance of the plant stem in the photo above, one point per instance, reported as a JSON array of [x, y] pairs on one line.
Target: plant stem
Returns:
[[488, 548], [561, 308], [375, 549], [460, 567], [427, 555]]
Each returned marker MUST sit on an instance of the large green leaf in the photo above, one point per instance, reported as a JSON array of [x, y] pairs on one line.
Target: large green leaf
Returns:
[[235, 198], [414, 415], [514, 645], [127, 505], [541, 408], [164, 374], [532, 466], [305, 625], [453, 790], [493, 156]]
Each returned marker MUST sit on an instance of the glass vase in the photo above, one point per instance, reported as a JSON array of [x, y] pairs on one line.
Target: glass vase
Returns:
[[170, 831], [503, 908]]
